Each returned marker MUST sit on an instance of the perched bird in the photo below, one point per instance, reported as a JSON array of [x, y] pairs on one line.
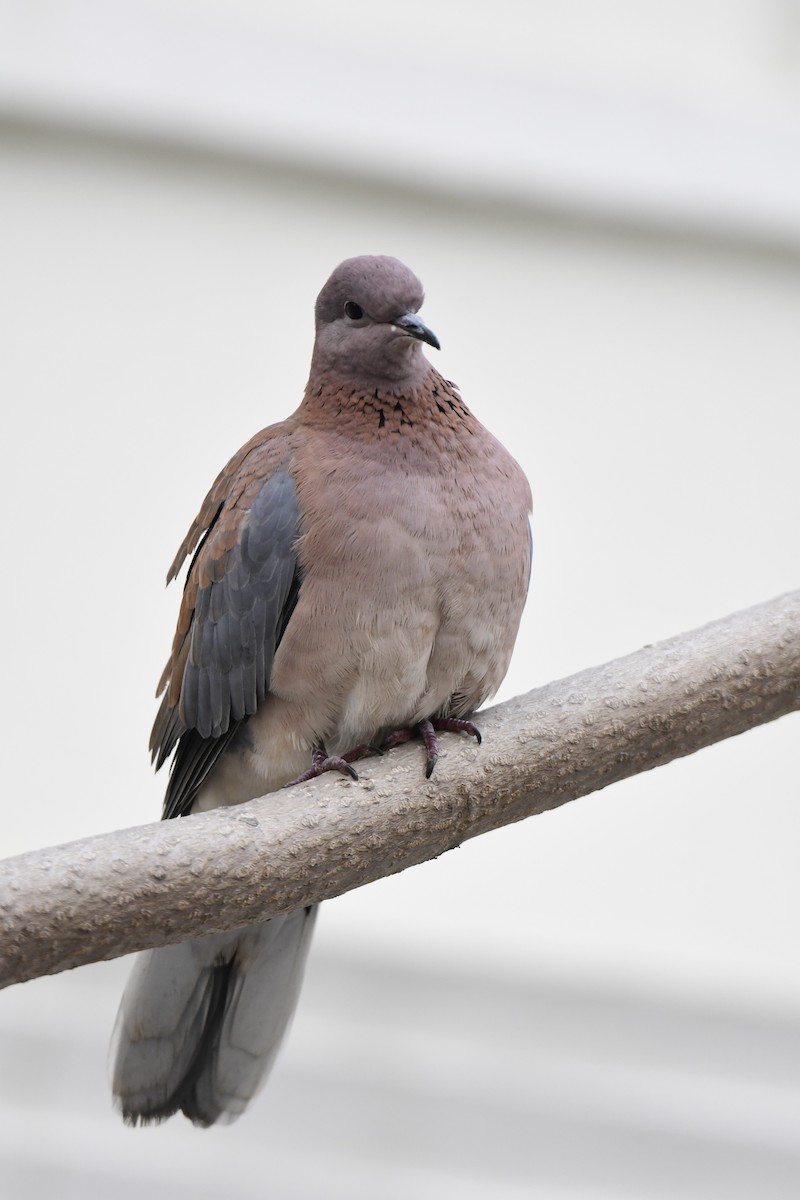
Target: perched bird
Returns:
[[358, 578]]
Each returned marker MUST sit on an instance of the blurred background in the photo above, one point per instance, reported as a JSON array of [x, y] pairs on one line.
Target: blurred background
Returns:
[[602, 198]]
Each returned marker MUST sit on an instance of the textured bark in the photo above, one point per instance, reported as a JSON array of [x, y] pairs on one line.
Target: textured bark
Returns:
[[108, 895]]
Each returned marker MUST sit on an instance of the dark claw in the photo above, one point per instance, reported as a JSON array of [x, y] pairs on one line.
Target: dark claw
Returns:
[[456, 725], [427, 730], [428, 735], [322, 762]]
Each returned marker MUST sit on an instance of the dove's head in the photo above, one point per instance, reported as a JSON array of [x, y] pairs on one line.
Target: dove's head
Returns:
[[368, 331]]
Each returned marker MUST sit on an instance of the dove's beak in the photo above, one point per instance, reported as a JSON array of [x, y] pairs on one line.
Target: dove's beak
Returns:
[[415, 328]]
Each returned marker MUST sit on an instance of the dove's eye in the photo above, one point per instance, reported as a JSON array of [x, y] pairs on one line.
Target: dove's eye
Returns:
[[354, 311]]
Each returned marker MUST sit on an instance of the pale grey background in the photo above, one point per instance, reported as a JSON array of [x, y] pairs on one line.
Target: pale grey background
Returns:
[[603, 200]]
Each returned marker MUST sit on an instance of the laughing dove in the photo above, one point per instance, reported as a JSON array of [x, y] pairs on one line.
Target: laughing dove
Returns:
[[359, 574]]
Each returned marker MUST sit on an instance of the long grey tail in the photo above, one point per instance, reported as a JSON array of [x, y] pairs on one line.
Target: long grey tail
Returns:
[[200, 1023]]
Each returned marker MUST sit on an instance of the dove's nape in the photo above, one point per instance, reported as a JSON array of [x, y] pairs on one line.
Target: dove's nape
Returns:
[[359, 576]]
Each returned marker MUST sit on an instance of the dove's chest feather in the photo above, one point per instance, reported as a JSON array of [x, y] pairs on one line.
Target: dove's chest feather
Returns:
[[415, 531]]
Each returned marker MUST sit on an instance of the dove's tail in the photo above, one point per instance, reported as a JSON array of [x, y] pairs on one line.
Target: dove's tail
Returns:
[[200, 1023]]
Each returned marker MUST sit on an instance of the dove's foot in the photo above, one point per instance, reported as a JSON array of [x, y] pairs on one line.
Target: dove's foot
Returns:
[[427, 730], [321, 762]]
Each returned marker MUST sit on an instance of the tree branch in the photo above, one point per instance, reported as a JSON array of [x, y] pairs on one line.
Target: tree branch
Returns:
[[160, 883]]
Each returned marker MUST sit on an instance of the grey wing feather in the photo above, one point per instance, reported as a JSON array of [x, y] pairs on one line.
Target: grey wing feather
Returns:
[[240, 615]]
